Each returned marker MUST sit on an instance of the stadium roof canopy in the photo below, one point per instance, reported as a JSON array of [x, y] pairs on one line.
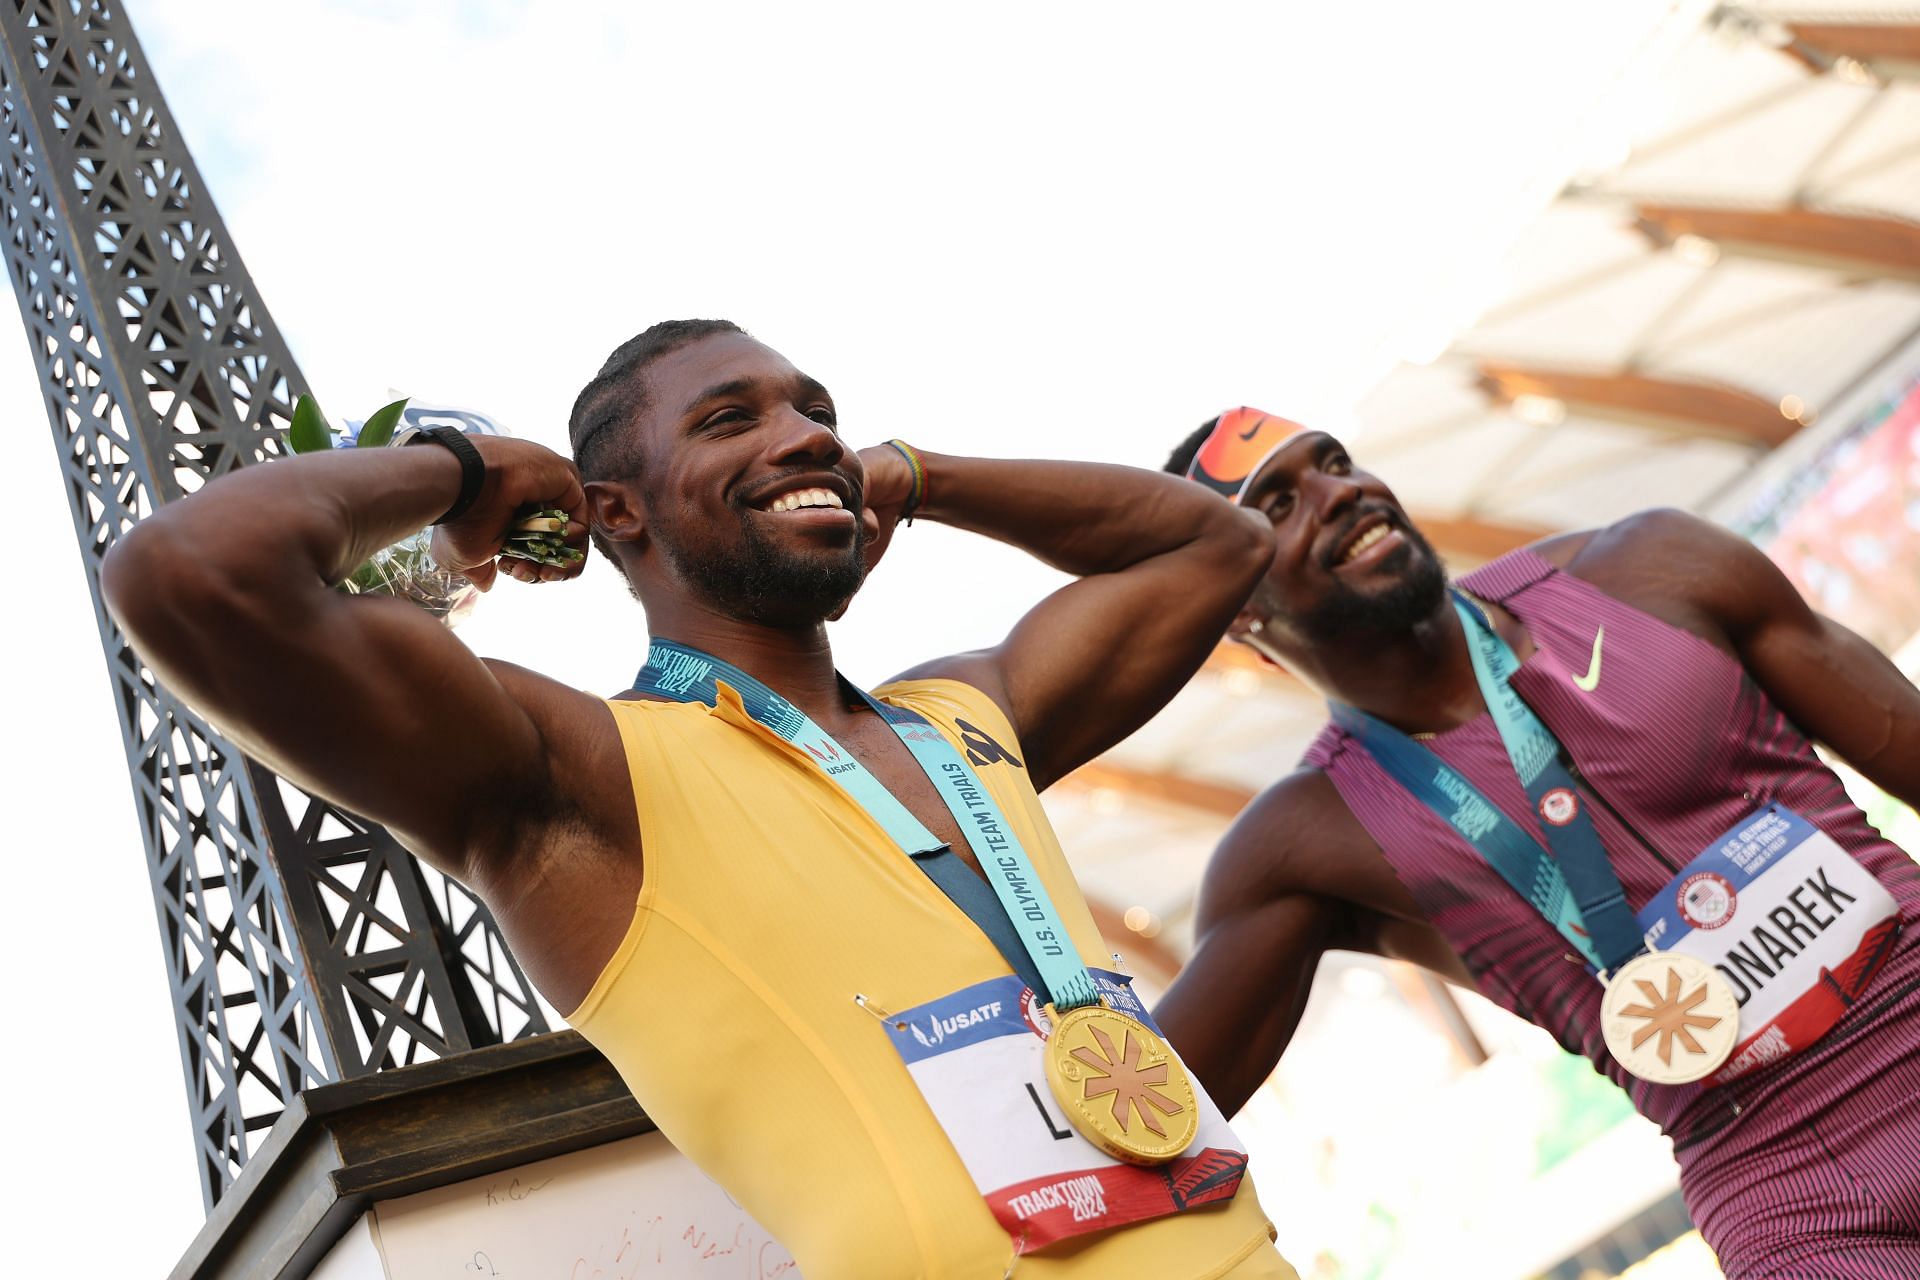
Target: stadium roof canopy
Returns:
[[1726, 287]]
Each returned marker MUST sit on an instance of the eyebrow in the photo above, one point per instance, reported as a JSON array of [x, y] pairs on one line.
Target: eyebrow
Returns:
[[807, 387], [815, 389], [721, 391]]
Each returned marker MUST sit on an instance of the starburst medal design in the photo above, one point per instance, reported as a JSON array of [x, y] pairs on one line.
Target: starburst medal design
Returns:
[[1669, 1018], [1121, 1085]]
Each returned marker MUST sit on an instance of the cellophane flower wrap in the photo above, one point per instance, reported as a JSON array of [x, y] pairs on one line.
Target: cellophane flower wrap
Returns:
[[407, 569]]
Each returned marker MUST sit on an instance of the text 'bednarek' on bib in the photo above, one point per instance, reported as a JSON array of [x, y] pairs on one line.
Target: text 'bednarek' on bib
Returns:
[[1788, 918]]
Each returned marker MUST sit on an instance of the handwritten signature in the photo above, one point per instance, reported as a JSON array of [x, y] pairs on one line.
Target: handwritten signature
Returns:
[[514, 1190]]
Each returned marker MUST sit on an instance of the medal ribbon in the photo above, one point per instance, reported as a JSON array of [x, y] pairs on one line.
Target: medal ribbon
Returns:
[[1574, 887], [1012, 907]]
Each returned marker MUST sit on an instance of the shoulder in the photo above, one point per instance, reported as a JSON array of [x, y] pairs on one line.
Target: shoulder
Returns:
[[1657, 533], [1664, 534], [983, 727], [1678, 567], [974, 675], [1295, 837]]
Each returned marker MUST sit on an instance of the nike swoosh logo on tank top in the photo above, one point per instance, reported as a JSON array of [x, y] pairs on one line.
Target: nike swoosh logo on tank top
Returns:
[[1591, 681]]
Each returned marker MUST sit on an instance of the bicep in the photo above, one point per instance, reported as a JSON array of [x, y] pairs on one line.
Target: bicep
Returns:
[[1237, 1002], [1833, 684], [1099, 657], [365, 700], [1841, 690]]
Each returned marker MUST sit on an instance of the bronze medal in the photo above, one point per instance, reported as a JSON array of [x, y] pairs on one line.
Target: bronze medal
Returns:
[[1669, 1018]]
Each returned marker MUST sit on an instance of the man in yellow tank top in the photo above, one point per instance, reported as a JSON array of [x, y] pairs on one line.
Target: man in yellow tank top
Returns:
[[795, 996]]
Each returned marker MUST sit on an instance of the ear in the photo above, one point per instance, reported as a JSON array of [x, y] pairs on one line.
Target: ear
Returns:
[[1246, 623], [616, 511], [1254, 630]]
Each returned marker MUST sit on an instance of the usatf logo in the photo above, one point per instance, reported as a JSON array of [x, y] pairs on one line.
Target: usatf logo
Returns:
[[983, 750], [1559, 806], [939, 1028], [1707, 900], [825, 753]]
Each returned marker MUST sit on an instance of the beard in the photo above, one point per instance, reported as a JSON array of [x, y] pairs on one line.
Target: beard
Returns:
[[1408, 600], [764, 582]]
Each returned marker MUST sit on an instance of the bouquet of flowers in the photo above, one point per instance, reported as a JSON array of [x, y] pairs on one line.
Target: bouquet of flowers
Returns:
[[405, 569]]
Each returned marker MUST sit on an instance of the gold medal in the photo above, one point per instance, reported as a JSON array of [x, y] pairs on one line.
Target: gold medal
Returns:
[[1669, 1018], [1121, 1085]]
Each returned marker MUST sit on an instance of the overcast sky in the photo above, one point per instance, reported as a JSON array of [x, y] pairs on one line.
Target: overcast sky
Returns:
[[1070, 230]]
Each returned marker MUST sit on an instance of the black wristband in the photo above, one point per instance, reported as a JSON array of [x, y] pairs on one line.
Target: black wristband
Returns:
[[473, 469]]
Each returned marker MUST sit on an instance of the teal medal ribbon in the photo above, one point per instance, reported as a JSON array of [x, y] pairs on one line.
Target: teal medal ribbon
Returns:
[[1574, 887], [1012, 906]]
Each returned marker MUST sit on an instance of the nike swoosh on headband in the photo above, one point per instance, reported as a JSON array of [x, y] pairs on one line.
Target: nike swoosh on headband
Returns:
[[1241, 443]]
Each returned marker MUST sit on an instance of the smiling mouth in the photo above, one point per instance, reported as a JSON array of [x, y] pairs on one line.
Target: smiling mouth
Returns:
[[800, 499], [1365, 542]]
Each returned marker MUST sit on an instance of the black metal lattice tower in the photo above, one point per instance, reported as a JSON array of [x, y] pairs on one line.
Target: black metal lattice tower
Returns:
[[302, 943]]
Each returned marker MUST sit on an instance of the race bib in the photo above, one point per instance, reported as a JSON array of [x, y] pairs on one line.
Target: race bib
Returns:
[[977, 1057], [1789, 918]]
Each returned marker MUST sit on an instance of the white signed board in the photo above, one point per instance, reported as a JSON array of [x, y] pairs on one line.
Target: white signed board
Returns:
[[630, 1210]]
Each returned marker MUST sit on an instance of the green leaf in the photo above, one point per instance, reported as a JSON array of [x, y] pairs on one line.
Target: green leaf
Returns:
[[309, 432], [378, 428]]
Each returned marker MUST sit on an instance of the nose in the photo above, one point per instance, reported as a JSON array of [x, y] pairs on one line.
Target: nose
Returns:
[[1331, 495], [798, 440]]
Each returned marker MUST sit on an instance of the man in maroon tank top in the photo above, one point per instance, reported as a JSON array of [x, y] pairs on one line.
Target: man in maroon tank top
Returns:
[[1684, 679]]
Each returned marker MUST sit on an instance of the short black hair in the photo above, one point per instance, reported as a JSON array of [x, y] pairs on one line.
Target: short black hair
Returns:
[[1182, 456], [603, 446]]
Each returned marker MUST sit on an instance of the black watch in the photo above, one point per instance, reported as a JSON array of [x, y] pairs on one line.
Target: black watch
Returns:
[[473, 468]]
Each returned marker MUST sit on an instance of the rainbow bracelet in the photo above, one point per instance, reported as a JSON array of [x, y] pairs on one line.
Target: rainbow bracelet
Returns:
[[919, 469]]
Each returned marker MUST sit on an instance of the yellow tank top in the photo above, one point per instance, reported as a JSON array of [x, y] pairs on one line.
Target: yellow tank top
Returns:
[[769, 900]]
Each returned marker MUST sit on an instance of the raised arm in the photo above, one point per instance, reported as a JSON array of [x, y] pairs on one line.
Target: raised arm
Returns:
[[1261, 924], [1296, 876], [1163, 566], [227, 595], [1237, 1003]]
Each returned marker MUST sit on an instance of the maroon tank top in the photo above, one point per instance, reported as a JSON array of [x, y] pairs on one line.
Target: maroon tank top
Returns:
[[1678, 743]]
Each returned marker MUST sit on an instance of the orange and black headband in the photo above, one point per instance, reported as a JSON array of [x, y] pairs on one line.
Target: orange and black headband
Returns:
[[1240, 444]]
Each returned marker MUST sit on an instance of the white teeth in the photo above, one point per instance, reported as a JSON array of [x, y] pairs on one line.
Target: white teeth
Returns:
[[806, 498], [1365, 540]]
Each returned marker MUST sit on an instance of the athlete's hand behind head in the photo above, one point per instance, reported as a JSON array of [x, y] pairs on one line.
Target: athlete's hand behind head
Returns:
[[520, 474], [889, 484]]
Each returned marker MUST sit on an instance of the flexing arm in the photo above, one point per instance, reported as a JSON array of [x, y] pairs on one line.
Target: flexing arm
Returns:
[[1260, 928], [1163, 565], [1238, 1001], [228, 595], [1833, 684], [1296, 876]]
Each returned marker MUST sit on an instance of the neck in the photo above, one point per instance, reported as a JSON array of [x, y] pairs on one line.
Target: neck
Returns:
[[796, 663], [1419, 679]]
